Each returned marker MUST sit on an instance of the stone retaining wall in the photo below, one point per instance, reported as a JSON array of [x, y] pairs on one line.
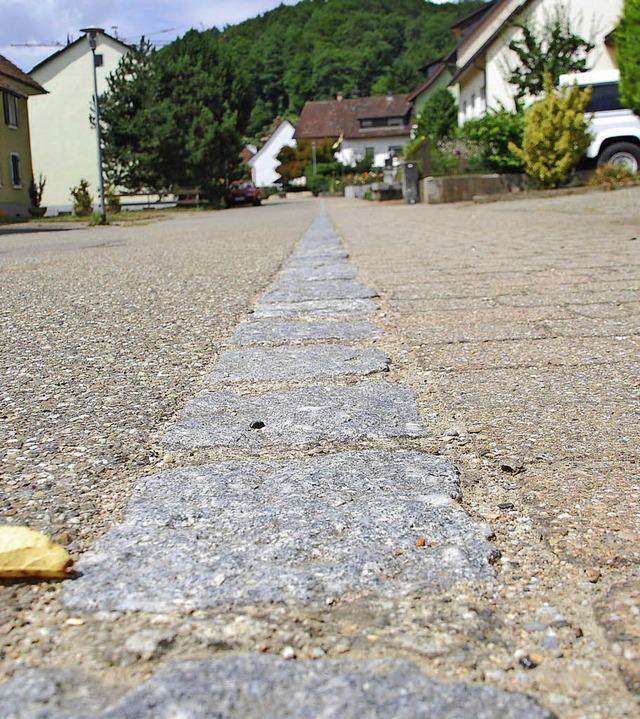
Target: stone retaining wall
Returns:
[[437, 190]]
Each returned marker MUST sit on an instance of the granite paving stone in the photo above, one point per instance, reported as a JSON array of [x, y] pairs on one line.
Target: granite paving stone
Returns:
[[284, 331], [371, 410], [282, 291], [298, 363], [267, 687], [301, 272], [333, 308], [316, 262], [245, 532]]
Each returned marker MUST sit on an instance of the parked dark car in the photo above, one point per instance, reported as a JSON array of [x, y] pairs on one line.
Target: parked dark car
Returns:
[[243, 192]]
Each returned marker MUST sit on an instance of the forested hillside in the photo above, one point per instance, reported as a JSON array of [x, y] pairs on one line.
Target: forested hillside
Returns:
[[317, 48]]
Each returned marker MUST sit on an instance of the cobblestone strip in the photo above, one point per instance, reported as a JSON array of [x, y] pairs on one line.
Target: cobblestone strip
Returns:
[[354, 523], [261, 687]]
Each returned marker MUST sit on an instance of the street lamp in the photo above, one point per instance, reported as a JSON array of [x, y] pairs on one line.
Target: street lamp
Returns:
[[92, 33]]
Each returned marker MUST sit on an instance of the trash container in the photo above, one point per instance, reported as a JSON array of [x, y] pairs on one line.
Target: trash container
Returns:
[[410, 177]]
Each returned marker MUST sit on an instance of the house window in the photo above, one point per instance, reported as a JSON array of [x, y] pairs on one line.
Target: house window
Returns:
[[394, 121], [473, 103], [369, 152], [366, 123], [99, 61], [395, 150], [10, 104], [16, 172]]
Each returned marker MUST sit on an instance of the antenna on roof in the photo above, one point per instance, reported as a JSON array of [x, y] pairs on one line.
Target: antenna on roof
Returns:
[[115, 31], [37, 44]]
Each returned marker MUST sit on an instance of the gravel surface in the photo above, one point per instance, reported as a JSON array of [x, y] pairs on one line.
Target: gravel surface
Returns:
[[514, 324]]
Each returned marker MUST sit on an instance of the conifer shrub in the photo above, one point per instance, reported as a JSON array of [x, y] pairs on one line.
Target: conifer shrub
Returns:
[[82, 199], [556, 135]]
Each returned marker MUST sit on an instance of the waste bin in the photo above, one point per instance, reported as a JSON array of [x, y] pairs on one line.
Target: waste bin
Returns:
[[410, 177]]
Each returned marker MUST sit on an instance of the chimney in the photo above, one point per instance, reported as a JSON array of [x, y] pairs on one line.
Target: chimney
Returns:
[[339, 97]]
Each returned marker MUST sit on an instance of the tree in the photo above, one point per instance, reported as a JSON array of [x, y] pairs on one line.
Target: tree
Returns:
[[556, 134], [553, 48], [175, 118], [299, 160], [628, 52], [439, 116], [126, 113]]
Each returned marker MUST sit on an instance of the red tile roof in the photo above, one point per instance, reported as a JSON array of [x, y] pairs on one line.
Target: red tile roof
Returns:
[[332, 118], [13, 79]]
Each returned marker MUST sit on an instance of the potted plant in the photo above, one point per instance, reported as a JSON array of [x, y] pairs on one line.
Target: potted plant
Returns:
[[82, 199], [36, 189]]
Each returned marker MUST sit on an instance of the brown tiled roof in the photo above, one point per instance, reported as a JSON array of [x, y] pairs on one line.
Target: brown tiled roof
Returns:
[[332, 118], [11, 87], [12, 78]]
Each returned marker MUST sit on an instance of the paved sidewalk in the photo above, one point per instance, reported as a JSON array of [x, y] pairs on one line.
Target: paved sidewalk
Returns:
[[517, 326], [304, 539]]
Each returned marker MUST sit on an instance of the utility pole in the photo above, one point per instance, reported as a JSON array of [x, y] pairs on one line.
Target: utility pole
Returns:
[[92, 33]]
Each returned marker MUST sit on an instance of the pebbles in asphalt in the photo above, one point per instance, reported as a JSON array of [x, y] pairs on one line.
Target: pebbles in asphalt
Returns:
[[245, 532], [297, 363], [285, 331], [267, 687], [371, 410]]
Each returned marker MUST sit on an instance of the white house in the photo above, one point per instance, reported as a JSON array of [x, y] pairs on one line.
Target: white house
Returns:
[[63, 141], [377, 127], [264, 162], [483, 57]]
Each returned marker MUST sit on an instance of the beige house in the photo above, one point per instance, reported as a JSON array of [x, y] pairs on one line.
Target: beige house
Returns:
[[16, 168], [63, 140], [483, 57]]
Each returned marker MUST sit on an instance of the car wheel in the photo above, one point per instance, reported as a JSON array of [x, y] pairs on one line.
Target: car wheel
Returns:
[[621, 153], [257, 203]]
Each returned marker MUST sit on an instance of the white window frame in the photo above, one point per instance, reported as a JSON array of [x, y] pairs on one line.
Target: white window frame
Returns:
[[15, 157], [11, 111]]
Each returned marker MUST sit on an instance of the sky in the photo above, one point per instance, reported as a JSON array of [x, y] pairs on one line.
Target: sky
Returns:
[[46, 22]]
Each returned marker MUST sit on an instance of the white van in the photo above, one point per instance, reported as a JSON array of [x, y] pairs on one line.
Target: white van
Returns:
[[615, 129]]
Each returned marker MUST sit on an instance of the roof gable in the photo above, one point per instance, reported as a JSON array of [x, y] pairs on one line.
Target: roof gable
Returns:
[[12, 79], [82, 39]]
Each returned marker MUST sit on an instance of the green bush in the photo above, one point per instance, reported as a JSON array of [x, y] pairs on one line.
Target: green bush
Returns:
[[317, 184], [439, 116], [612, 175], [82, 199], [112, 200], [628, 54], [556, 135], [456, 156], [494, 133]]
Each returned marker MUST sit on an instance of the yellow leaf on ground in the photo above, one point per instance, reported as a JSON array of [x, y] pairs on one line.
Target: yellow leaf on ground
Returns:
[[25, 552]]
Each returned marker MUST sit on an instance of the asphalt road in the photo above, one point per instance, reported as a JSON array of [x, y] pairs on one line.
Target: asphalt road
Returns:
[[514, 324]]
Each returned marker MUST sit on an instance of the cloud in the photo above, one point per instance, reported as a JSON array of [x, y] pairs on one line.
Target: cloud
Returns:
[[27, 23]]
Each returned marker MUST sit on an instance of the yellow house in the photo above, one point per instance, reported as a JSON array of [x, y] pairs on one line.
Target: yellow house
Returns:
[[15, 149]]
